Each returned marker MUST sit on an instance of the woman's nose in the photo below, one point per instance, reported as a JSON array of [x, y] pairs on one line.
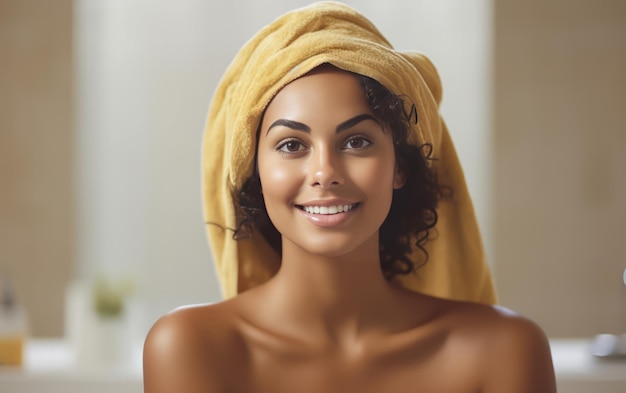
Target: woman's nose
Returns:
[[325, 169]]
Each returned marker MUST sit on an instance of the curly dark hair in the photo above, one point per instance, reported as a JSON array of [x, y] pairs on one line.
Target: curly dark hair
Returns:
[[413, 212]]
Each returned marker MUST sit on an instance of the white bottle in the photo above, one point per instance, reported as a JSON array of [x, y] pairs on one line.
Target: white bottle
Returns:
[[13, 327]]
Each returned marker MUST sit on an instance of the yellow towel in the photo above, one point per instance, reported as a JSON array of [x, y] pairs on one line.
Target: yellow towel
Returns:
[[291, 46]]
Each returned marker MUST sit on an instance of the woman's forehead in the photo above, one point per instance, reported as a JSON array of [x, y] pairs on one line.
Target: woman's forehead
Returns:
[[329, 91]]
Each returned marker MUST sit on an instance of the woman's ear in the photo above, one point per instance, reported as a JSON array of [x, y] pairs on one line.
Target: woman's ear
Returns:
[[399, 178]]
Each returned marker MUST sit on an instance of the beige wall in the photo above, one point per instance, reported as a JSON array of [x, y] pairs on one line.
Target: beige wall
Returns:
[[559, 160], [36, 155]]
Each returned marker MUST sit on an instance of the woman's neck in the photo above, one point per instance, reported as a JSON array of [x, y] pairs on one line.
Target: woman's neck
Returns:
[[340, 297]]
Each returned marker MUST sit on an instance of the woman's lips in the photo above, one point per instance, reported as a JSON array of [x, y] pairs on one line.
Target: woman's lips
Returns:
[[327, 215]]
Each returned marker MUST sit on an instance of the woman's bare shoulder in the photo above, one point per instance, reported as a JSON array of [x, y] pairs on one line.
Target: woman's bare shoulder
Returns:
[[199, 325], [190, 349], [513, 351]]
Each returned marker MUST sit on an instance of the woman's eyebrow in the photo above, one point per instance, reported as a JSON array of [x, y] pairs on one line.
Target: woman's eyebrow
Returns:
[[296, 125], [354, 121]]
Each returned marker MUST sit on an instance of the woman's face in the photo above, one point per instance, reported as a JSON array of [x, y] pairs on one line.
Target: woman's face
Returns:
[[326, 165]]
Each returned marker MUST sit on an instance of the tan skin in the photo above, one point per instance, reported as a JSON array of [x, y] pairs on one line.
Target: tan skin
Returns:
[[329, 321]]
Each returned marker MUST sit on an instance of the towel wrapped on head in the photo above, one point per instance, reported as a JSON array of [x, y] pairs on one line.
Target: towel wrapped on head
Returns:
[[288, 48]]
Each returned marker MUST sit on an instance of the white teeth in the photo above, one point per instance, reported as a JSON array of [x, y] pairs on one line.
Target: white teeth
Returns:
[[328, 209]]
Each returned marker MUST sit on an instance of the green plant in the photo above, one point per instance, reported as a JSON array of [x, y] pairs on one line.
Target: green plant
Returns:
[[109, 296]]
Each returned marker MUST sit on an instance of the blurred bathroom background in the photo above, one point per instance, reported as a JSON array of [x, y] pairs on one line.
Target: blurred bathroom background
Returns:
[[102, 108]]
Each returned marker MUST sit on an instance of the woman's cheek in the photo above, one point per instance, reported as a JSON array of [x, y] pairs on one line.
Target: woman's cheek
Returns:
[[278, 179], [377, 172], [273, 173]]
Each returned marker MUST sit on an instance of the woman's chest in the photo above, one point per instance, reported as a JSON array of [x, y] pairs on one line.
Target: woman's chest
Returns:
[[414, 367]]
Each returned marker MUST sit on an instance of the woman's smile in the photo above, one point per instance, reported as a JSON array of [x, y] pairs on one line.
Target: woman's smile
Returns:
[[328, 209], [327, 214]]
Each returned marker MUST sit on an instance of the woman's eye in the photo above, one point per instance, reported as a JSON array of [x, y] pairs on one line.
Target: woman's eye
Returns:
[[290, 147], [357, 142]]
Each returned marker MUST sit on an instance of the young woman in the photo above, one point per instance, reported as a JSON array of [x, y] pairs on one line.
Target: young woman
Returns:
[[342, 189]]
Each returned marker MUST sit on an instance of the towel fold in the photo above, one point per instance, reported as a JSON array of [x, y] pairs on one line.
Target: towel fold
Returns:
[[286, 49]]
